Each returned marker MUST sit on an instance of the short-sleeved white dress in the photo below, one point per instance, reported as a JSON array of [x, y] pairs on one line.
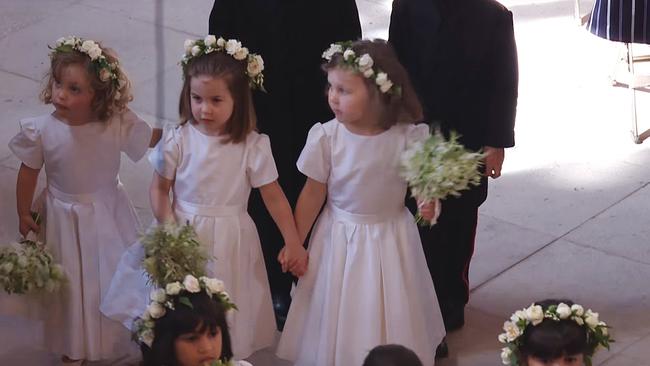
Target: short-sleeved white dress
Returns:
[[212, 182], [367, 283], [89, 222]]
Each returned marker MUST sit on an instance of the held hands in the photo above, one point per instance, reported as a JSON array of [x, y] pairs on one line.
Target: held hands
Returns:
[[294, 258]]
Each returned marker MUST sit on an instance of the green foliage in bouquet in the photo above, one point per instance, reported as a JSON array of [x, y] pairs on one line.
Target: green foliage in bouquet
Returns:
[[172, 252], [437, 168], [27, 267]]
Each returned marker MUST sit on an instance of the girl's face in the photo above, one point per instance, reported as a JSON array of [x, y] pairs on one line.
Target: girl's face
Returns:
[[211, 102], [350, 100], [573, 360], [198, 349], [72, 95]]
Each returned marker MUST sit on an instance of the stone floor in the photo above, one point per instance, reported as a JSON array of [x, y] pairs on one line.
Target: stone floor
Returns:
[[570, 217]]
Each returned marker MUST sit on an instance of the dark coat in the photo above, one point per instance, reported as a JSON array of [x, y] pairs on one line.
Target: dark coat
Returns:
[[291, 36], [462, 59]]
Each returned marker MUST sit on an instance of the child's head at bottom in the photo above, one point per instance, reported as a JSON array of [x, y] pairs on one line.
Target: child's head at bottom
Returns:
[[190, 335], [391, 355], [553, 332]]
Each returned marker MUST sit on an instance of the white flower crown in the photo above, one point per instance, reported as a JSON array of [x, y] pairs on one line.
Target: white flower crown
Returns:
[[597, 334], [162, 299], [254, 62], [364, 65], [105, 70]]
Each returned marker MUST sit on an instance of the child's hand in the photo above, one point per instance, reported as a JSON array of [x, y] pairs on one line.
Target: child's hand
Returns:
[[26, 224], [429, 211]]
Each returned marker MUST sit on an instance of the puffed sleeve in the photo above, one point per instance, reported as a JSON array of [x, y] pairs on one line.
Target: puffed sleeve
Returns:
[[417, 133], [135, 135], [167, 154], [314, 160], [260, 165], [26, 145]]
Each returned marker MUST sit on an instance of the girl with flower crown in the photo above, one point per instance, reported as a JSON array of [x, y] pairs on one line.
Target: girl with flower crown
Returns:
[[367, 282], [553, 333], [210, 162], [88, 220], [185, 325]]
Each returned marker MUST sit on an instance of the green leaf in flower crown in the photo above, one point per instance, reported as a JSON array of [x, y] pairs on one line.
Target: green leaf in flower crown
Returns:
[[185, 301]]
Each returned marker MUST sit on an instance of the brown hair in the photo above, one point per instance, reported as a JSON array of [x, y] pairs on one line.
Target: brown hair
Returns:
[[403, 107], [221, 65], [104, 102]]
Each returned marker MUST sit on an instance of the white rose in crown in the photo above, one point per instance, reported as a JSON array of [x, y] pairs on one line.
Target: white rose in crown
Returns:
[[189, 43], [173, 288], [503, 338], [196, 50], [232, 46], [518, 315], [368, 73], [365, 62], [535, 314], [147, 337], [255, 65], [104, 75], [579, 310], [334, 48], [512, 331], [603, 328], [60, 42], [158, 295], [214, 285], [505, 355], [241, 54], [563, 311], [578, 320], [221, 42], [348, 54], [591, 319], [87, 45], [191, 284], [210, 41], [70, 41], [156, 310], [95, 53], [383, 82]]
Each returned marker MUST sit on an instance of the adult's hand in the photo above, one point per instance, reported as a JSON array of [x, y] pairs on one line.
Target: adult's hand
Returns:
[[493, 161]]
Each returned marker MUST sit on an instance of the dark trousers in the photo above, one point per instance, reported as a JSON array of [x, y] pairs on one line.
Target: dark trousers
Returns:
[[448, 248]]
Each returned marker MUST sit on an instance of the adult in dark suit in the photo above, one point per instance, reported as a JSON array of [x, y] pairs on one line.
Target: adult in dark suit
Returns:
[[462, 59], [291, 36]]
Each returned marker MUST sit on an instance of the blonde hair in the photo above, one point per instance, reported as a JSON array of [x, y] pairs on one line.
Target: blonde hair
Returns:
[[403, 107], [221, 65], [104, 103]]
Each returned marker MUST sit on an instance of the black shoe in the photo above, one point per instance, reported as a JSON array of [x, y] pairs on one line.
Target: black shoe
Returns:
[[442, 351]]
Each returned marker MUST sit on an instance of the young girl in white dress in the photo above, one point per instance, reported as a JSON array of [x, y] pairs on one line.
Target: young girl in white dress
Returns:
[[367, 283], [210, 162], [88, 220]]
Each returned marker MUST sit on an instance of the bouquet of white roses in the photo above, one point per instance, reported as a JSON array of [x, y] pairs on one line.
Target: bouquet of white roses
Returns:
[[437, 168], [28, 266], [171, 252]]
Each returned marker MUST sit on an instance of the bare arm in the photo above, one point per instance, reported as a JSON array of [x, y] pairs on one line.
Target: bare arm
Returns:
[[310, 201], [159, 195], [25, 187], [156, 135], [278, 205]]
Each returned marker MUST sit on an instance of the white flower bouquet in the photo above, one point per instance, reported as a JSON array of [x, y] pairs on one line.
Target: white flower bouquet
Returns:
[[28, 266], [437, 168], [171, 253]]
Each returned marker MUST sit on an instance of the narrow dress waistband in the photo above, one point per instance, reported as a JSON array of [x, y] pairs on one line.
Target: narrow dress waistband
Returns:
[[83, 197], [204, 210], [364, 218]]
